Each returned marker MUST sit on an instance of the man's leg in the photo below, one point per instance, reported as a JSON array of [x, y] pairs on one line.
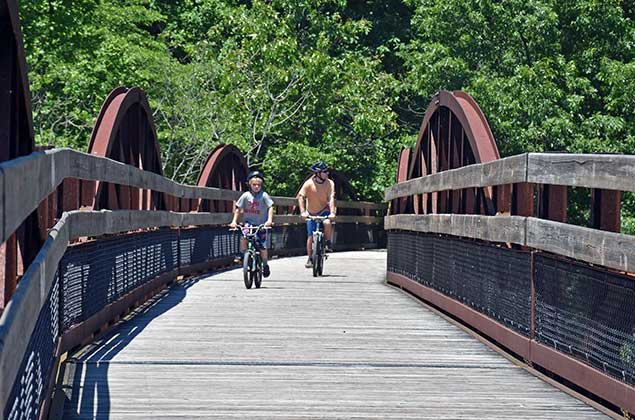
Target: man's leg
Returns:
[[328, 233], [309, 251], [309, 243], [328, 230]]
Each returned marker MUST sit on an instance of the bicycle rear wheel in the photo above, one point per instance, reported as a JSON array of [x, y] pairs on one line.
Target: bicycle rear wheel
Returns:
[[247, 276]]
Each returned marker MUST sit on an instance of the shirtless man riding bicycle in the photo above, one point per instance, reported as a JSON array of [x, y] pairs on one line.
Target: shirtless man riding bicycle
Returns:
[[319, 194]]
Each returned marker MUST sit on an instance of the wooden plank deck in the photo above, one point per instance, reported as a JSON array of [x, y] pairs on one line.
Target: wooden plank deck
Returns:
[[343, 346]]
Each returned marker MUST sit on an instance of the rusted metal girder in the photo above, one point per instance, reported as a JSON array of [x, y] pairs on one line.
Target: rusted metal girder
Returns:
[[606, 207], [125, 132], [226, 167], [454, 133], [16, 139], [401, 205]]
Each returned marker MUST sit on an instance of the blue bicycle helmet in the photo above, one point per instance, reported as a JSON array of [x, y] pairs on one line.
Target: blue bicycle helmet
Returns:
[[319, 167], [255, 174]]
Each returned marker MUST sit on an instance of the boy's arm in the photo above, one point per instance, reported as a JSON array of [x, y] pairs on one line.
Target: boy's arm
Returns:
[[234, 223], [237, 210], [269, 203], [269, 221]]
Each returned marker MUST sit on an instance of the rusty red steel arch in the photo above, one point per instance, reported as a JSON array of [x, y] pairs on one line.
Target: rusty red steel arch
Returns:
[[125, 132], [454, 133], [225, 167], [400, 205], [16, 139]]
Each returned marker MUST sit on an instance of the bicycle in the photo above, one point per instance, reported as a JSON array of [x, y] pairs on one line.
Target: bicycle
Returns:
[[252, 262], [319, 255]]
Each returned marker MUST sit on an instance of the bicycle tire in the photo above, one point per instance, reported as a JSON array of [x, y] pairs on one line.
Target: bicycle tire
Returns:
[[315, 253], [257, 273], [321, 264], [247, 269]]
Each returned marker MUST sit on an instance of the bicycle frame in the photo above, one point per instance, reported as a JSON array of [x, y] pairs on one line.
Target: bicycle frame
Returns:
[[318, 245], [252, 262]]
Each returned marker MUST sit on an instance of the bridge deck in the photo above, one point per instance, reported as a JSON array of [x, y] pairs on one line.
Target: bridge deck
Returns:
[[342, 346]]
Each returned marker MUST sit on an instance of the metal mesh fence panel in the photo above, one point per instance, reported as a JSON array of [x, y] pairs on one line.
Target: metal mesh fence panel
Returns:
[[288, 237], [201, 244], [28, 389], [98, 273], [358, 235], [494, 281], [588, 313]]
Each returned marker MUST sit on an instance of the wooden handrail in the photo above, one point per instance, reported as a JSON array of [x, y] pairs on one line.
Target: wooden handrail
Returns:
[[51, 167], [608, 249], [612, 172]]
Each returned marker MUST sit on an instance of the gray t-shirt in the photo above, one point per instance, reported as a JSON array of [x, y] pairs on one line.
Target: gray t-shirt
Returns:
[[255, 208]]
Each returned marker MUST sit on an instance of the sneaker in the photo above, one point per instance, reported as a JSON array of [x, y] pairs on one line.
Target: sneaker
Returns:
[[265, 270], [309, 263], [328, 247], [238, 258]]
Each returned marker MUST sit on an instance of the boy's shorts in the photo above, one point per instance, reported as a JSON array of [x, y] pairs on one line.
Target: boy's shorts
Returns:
[[262, 240], [311, 225]]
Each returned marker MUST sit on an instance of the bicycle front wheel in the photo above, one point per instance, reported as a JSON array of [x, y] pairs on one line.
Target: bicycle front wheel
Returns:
[[257, 273], [247, 276], [321, 263], [316, 254]]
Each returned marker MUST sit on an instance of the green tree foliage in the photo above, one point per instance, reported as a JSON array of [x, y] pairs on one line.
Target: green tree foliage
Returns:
[[273, 77], [549, 75], [290, 82]]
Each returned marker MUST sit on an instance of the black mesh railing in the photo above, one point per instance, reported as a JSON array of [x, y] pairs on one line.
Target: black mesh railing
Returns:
[[95, 274], [583, 311], [291, 237], [202, 244], [98, 273], [587, 313], [492, 280], [358, 235], [28, 389]]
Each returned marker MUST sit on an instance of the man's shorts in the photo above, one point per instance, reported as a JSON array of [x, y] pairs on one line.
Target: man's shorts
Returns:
[[311, 225], [263, 241]]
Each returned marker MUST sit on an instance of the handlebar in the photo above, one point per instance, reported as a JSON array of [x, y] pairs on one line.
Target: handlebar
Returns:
[[317, 218], [251, 229]]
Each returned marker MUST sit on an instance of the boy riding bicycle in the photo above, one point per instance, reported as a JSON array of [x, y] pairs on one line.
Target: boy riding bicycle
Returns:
[[257, 208], [319, 194]]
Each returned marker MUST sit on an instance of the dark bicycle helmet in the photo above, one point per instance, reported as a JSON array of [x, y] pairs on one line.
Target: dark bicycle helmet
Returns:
[[319, 167], [255, 174]]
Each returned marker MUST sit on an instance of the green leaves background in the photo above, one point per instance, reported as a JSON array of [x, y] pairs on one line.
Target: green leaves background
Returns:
[[290, 82]]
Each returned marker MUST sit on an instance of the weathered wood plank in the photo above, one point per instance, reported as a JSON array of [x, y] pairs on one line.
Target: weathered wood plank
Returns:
[[499, 172], [362, 205], [51, 167], [607, 249], [612, 172], [508, 229], [302, 347]]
